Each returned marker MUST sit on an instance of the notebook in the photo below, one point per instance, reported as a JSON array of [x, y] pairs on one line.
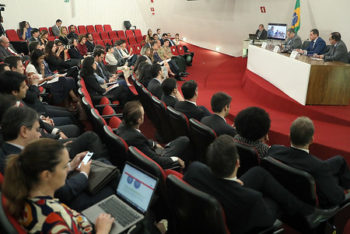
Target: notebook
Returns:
[[133, 196]]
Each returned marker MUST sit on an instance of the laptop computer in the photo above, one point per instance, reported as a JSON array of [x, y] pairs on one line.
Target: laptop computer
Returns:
[[252, 36], [133, 196]]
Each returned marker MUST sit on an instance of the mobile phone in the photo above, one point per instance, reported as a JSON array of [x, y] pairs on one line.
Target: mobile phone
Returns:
[[86, 158]]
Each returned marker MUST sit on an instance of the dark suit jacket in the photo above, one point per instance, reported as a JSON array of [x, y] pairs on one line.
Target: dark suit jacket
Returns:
[[339, 52], [74, 53], [155, 88], [64, 40], [244, 208], [137, 139], [263, 35], [328, 190], [169, 100], [4, 53], [6, 150], [219, 125], [93, 86], [74, 185], [103, 72], [316, 48], [190, 110], [90, 46]]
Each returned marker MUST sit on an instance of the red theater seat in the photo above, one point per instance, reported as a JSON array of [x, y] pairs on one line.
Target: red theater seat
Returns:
[[113, 35], [99, 28], [104, 35], [90, 29], [121, 34], [138, 35], [82, 29], [107, 27], [12, 35]]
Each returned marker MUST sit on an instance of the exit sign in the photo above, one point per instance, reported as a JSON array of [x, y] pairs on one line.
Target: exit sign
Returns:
[[66, 0]]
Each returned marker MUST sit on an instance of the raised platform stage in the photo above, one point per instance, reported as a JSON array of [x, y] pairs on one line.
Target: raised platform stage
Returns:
[[218, 72]]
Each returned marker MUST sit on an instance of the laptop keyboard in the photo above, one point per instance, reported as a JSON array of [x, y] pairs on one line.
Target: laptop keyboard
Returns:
[[119, 211]]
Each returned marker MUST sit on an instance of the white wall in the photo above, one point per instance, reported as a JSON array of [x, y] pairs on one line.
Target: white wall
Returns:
[[45, 12], [225, 23]]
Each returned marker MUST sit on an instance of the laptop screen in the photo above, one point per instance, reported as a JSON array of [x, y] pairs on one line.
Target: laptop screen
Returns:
[[136, 187]]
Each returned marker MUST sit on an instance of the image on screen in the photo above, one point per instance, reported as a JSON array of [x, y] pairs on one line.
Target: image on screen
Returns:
[[277, 31], [136, 187]]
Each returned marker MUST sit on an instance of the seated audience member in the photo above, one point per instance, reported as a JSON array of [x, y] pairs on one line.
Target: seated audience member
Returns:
[[154, 84], [338, 50], [32, 97], [101, 69], [13, 83], [6, 48], [4, 67], [177, 39], [43, 38], [73, 51], [81, 45], [158, 33], [90, 42], [148, 54], [117, 92], [317, 45], [171, 42], [149, 34], [220, 105], [118, 55], [35, 35], [21, 127], [56, 29], [140, 60], [24, 30], [332, 176], [165, 53], [72, 35], [129, 130], [145, 75], [252, 202], [155, 36], [293, 41], [113, 64], [170, 93], [261, 33], [131, 58], [53, 59], [63, 36], [252, 125], [62, 90], [34, 45], [163, 38], [32, 177], [189, 106]]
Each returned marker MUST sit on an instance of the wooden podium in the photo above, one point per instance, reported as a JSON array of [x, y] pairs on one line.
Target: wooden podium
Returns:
[[306, 80]]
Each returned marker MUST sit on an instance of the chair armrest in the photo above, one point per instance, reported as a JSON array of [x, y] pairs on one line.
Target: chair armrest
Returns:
[[107, 117]]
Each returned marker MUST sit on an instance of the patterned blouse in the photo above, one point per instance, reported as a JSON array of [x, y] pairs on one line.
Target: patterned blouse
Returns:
[[260, 147], [48, 215]]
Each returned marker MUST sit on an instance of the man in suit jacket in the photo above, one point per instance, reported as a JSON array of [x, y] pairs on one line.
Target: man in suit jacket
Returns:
[[154, 86], [293, 42], [20, 126], [168, 157], [35, 35], [316, 46], [332, 176], [171, 95], [338, 50], [244, 199], [220, 105], [261, 33], [6, 48], [56, 29], [189, 106]]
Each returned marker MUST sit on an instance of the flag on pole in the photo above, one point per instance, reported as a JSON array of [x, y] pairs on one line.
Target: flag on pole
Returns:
[[296, 17]]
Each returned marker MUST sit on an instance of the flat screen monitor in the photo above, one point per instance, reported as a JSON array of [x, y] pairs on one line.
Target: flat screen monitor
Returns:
[[277, 31]]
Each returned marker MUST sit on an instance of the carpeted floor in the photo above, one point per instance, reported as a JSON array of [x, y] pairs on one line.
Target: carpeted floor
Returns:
[[218, 72]]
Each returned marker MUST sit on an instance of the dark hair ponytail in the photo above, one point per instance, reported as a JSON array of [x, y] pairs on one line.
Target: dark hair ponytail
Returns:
[[23, 170]]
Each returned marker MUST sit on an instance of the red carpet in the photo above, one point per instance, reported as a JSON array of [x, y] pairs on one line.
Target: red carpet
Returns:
[[218, 72]]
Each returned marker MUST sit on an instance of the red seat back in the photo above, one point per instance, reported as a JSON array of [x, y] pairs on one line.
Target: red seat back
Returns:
[[114, 122], [108, 42], [96, 36], [43, 28], [180, 49], [137, 49], [90, 29], [138, 35], [121, 34], [174, 50], [107, 27], [108, 110], [98, 28], [50, 31], [104, 35], [12, 35], [113, 35], [100, 42], [132, 40], [82, 29]]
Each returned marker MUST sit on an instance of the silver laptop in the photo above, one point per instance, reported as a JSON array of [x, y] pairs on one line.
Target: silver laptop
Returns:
[[128, 206]]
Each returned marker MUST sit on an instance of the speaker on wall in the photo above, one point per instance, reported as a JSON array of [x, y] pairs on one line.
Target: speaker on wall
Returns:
[[127, 24]]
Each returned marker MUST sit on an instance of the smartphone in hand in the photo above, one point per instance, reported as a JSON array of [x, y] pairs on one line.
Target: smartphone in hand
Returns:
[[86, 158]]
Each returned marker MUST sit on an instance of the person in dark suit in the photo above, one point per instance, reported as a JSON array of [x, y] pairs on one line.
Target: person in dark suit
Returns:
[[338, 50], [252, 125], [293, 41], [167, 157], [251, 202], [73, 51], [20, 127], [220, 105], [72, 33], [90, 42], [261, 33], [189, 106], [332, 176], [154, 86], [35, 35], [171, 95], [316, 46]]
